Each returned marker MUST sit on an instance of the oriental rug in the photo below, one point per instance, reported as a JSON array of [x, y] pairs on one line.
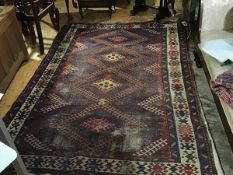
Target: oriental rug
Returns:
[[113, 99], [222, 86]]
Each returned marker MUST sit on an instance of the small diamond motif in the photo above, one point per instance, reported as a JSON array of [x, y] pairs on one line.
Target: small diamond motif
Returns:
[[102, 101], [69, 69], [97, 124], [150, 104], [153, 47], [106, 84], [118, 39], [113, 57], [80, 46], [154, 69]]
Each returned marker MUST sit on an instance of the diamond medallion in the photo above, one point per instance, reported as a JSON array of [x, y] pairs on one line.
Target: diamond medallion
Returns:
[[113, 57], [97, 124], [106, 84]]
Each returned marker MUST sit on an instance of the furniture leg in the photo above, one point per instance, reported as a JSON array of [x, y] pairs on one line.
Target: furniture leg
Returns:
[[140, 5], [67, 8], [197, 58], [32, 32], [25, 28], [57, 18], [193, 13], [163, 10], [80, 10], [173, 11], [40, 36], [75, 5], [114, 4], [54, 16], [110, 9], [6, 138]]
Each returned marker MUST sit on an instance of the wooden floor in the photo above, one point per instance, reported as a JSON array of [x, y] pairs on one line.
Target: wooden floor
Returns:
[[17, 85]]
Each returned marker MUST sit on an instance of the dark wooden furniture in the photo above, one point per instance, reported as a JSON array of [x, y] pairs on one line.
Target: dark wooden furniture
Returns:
[[2, 2], [12, 47], [140, 5], [163, 12], [32, 11], [96, 4], [68, 7]]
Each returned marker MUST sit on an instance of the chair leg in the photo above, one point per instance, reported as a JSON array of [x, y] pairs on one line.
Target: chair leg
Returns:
[[114, 4], [40, 36], [110, 10], [24, 28], [75, 5], [32, 32], [55, 18], [173, 11], [80, 10]]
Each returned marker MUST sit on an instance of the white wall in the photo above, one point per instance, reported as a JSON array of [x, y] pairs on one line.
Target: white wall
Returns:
[[214, 12]]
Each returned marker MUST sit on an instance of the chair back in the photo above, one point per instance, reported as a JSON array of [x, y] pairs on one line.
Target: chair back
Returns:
[[29, 7]]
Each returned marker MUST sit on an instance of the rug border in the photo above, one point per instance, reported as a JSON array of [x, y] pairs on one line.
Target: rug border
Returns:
[[203, 119]]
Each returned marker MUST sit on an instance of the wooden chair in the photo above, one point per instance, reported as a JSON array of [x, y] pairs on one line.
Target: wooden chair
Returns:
[[32, 11]]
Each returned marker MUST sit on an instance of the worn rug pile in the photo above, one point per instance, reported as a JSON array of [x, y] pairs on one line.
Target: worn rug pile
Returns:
[[113, 99]]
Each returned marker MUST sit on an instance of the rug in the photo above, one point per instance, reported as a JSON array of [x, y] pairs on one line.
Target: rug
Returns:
[[113, 99], [222, 86]]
